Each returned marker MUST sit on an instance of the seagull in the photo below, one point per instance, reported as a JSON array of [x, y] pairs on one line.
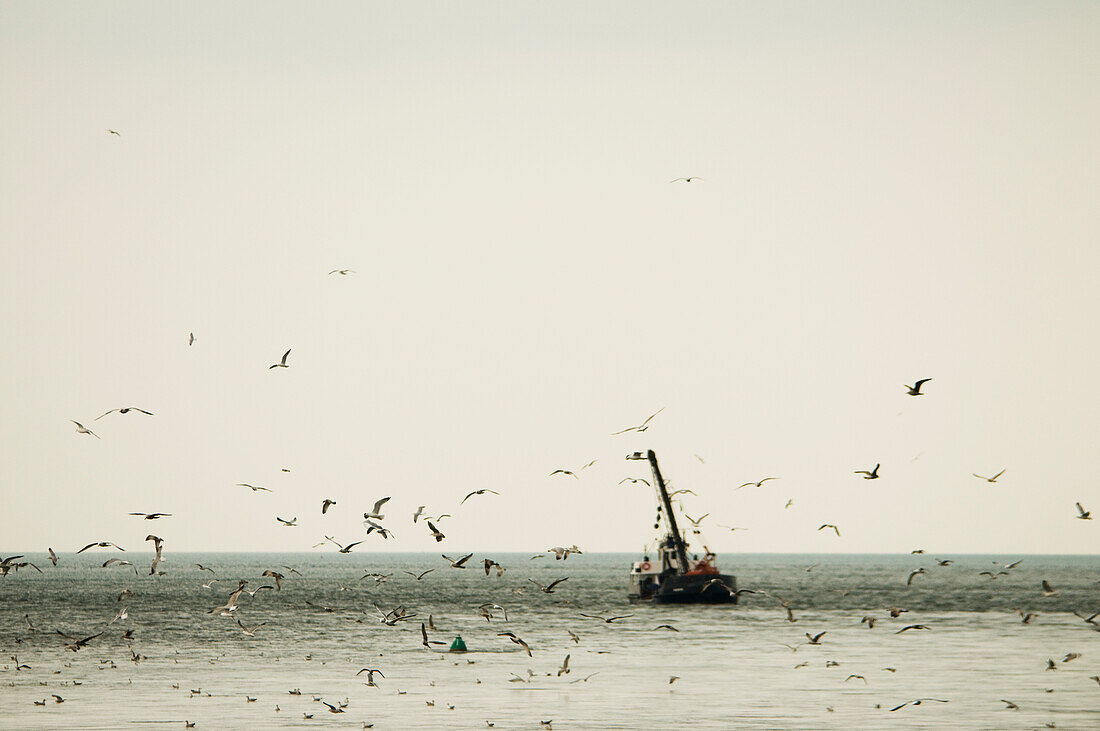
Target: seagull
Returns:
[[989, 479], [370, 675], [191, 339], [347, 548], [757, 484], [1010, 706], [231, 603], [382, 531], [275, 575], [916, 702], [80, 429], [342, 272], [426, 642], [666, 626], [872, 475], [281, 363], [326, 504], [856, 676], [53, 557], [641, 427], [634, 481], [158, 544], [436, 534], [1083, 514], [606, 620], [869, 621], [683, 492], [206, 568], [490, 563], [77, 643], [944, 561], [687, 179], [912, 626], [101, 544], [1026, 617], [153, 516], [458, 563], [126, 410], [253, 488], [516, 640], [564, 669], [418, 577], [563, 472], [672, 679], [915, 573], [1048, 590], [914, 390], [548, 589], [830, 525], [563, 553], [250, 631], [293, 522], [419, 512], [482, 492], [815, 639], [696, 521], [375, 512]]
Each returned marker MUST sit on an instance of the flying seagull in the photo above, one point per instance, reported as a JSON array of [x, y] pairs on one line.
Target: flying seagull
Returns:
[[915, 573], [191, 339], [830, 525], [570, 473], [641, 427], [989, 479], [869, 475], [326, 504], [419, 512], [253, 488], [634, 481], [81, 429], [100, 544], [516, 640], [606, 620], [126, 410], [1048, 590], [757, 484], [342, 272], [113, 132], [281, 363], [370, 675], [158, 544], [916, 702], [53, 557], [153, 516], [548, 589], [688, 179], [436, 534], [418, 577], [458, 563], [914, 390], [1083, 514], [482, 492], [375, 512], [293, 522]]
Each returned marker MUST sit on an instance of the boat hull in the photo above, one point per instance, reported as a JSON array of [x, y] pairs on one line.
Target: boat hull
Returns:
[[697, 589]]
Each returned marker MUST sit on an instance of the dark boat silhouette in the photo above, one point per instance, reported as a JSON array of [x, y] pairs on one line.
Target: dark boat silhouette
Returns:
[[672, 578]]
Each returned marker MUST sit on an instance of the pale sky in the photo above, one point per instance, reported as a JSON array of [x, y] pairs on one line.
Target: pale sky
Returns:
[[891, 191]]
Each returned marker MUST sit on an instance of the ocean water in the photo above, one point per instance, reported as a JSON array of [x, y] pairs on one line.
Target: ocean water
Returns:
[[743, 666]]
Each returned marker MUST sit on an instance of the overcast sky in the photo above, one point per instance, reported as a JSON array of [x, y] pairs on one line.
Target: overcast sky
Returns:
[[890, 191]]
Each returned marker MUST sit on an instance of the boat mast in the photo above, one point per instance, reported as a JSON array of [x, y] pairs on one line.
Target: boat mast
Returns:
[[681, 550]]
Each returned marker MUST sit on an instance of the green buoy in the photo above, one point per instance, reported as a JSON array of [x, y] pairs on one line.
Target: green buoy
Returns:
[[458, 645]]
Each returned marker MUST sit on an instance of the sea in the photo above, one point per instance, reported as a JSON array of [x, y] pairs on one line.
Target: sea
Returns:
[[161, 659]]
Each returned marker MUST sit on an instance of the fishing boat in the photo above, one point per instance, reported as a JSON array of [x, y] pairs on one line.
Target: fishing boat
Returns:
[[671, 577]]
